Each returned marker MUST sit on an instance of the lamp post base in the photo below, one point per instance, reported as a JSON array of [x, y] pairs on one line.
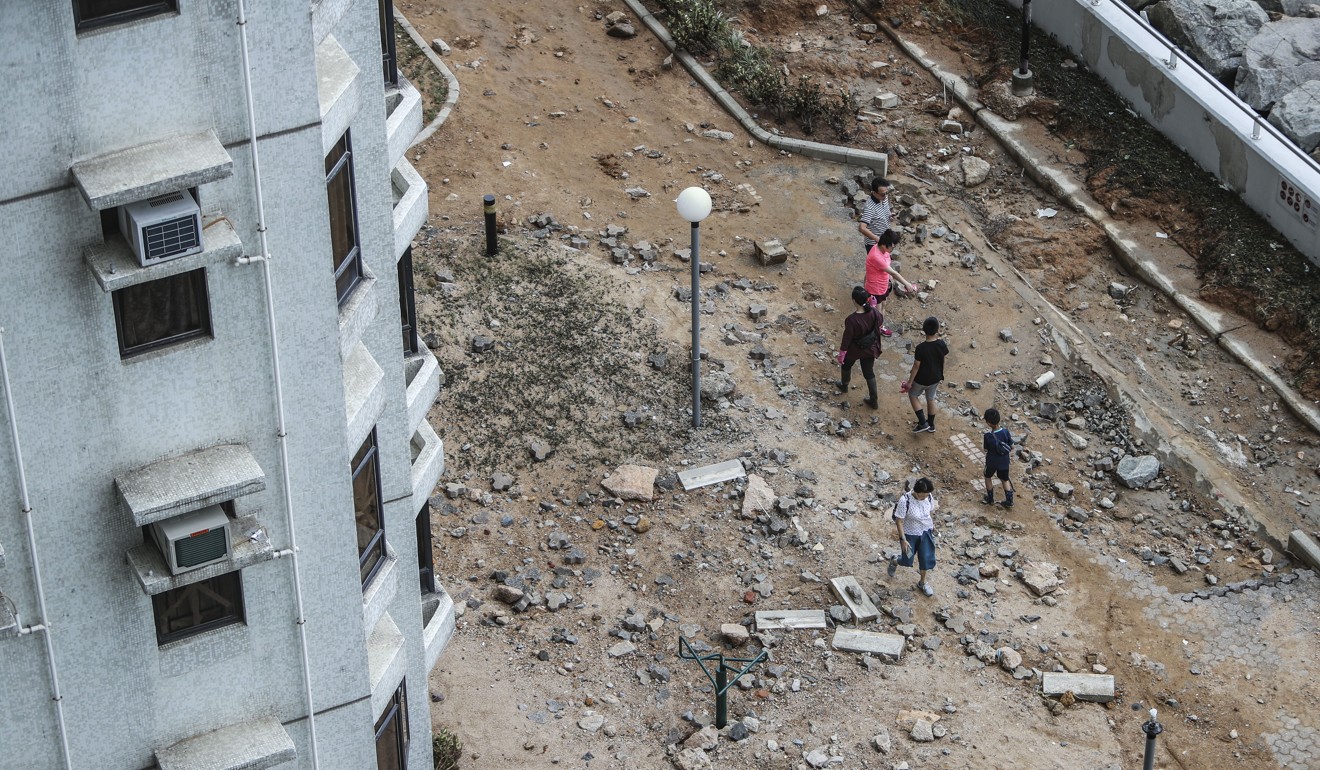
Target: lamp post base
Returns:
[[1023, 84]]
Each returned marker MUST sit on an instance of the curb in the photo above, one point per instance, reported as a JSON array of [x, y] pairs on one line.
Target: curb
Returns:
[[450, 100], [1129, 254], [877, 161]]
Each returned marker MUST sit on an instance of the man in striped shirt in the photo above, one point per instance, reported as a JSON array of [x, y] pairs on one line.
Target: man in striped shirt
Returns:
[[875, 213]]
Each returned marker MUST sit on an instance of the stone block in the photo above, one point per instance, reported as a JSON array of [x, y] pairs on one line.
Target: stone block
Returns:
[[853, 640], [1095, 688]]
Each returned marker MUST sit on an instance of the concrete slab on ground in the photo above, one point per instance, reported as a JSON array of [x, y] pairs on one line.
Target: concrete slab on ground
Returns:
[[711, 474], [778, 620], [1096, 688], [854, 598], [853, 640]]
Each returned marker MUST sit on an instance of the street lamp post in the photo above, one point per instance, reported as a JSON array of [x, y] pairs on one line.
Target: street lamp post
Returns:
[[1022, 81], [694, 206]]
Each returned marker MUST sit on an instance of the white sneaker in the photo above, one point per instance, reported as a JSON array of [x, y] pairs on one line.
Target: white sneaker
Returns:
[[927, 590]]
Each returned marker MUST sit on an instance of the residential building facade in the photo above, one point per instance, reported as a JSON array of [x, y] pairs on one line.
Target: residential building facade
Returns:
[[214, 532]]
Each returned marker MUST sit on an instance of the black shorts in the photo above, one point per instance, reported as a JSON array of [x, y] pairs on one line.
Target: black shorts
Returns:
[[1002, 473], [885, 296]]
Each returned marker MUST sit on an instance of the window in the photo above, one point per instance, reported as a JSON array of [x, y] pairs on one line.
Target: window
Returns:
[[366, 509], [392, 732], [199, 607], [162, 312], [425, 554], [88, 14], [343, 218], [387, 51], [407, 303]]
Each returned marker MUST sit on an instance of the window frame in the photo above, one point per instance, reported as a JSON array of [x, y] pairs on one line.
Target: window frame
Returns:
[[388, 49], [396, 709], [369, 455], [426, 550], [201, 294], [145, 9], [352, 261], [408, 304], [162, 602]]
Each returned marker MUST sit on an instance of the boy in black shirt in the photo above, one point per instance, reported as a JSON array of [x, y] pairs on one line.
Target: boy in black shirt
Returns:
[[927, 373], [998, 443]]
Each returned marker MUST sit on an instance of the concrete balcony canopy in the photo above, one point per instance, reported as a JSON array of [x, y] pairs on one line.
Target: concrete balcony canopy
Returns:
[[364, 395], [422, 372], [246, 746], [428, 464], [437, 625], [386, 663], [403, 118], [249, 543], [377, 595], [336, 90], [115, 266], [357, 313], [152, 169], [410, 205], [177, 485]]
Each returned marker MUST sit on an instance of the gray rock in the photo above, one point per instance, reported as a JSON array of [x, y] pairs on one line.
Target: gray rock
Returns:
[[691, 759], [1281, 57], [716, 385], [880, 741], [817, 757], [1063, 490], [622, 30], [500, 481], [1297, 115], [1137, 472], [440, 47], [723, 136], [1006, 335], [840, 613], [973, 384], [637, 192], [1213, 32], [621, 649], [976, 170], [592, 722], [923, 731], [951, 127], [540, 451], [482, 343], [631, 482]]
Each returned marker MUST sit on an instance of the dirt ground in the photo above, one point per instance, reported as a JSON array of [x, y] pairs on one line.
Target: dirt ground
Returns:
[[585, 357]]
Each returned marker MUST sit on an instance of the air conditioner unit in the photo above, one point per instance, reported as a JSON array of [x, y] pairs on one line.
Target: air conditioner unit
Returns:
[[162, 228], [194, 539]]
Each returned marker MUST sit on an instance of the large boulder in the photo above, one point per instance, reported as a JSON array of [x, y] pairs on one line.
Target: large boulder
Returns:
[[1137, 471], [1213, 32], [1041, 577], [716, 385], [1297, 115], [631, 482], [1282, 56]]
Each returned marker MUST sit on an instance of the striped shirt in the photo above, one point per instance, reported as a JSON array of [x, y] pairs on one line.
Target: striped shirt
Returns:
[[875, 215], [916, 515]]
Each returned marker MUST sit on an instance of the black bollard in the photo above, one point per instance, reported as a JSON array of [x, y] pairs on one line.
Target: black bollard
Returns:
[[1152, 729], [491, 245]]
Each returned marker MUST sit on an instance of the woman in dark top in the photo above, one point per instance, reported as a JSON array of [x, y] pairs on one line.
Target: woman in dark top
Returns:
[[861, 342]]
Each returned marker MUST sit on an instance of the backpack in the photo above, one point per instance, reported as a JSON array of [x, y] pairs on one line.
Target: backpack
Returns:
[[1001, 444]]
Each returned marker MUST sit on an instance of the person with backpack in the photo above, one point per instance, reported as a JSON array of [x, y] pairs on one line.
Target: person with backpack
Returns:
[[914, 517], [998, 443], [861, 344], [926, 375]]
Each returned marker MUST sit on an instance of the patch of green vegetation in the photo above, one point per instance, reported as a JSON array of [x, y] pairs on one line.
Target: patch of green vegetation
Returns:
[[700, 27], [447, 748], [419, 71]]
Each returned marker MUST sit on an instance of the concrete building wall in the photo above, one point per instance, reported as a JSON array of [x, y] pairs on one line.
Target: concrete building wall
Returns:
[[1196, 113], [87, 416]]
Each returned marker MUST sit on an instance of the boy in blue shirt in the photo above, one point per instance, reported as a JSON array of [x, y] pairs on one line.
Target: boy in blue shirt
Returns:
[[998, 443]]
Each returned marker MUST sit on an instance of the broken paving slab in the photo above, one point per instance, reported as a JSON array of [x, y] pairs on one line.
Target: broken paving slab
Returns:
[[778, 620], [1096, 688], [854, 598], [711, 474], [853, 640]]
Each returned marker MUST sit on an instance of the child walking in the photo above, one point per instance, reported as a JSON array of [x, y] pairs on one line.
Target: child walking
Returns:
[[998, 443], [926, 375]]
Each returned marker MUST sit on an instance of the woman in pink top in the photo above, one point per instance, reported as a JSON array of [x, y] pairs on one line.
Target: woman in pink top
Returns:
[[879, 270]]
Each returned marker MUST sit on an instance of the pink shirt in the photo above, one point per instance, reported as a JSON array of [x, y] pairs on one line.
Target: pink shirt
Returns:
[[877, 275]]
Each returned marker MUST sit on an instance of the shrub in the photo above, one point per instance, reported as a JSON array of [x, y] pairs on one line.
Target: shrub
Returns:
[[448, 749]]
